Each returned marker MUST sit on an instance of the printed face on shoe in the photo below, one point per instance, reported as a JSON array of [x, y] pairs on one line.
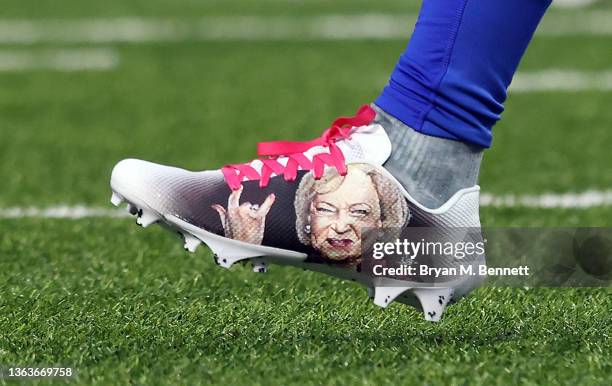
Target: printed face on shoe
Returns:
[[340, 208], [322, 217]]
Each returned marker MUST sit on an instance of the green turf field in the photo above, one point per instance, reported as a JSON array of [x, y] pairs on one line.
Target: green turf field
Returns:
[[122, 305]]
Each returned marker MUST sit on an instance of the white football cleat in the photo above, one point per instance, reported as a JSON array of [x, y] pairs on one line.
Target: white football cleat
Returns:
[[304, 204]]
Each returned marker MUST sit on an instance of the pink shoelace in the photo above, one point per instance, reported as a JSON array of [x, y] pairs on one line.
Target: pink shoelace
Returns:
[[294, 151]]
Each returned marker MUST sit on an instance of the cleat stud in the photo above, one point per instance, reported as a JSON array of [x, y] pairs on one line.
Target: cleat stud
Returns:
[[116, 199], [259, 265], [383, 296], [132, 209], [228, 251], [191, 242], [146, 218], [433, 301]]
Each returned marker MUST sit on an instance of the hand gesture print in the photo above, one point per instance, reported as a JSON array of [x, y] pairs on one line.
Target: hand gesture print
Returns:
[[244, 222]]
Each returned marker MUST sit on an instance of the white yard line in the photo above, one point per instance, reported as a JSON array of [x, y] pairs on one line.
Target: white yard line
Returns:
[[577, 23], [588, 199], [548, 80], [254, 28], [561, 80], [573, 3], [76, 59], [61, 211], [103, 59]]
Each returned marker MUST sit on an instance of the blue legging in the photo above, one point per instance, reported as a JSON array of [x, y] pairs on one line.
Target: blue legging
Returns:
[[451, 80]]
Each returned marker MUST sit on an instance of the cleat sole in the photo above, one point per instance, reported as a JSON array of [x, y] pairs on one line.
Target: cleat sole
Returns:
[[226, 252], [229, 251]]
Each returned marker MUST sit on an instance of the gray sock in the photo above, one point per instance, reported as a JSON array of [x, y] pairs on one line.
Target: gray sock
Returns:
[[431, 169]]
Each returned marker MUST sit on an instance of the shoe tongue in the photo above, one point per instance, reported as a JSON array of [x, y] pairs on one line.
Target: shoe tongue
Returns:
[[368, 144]]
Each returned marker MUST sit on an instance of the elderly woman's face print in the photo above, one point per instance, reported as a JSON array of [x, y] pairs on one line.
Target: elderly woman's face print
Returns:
[[336, 217]]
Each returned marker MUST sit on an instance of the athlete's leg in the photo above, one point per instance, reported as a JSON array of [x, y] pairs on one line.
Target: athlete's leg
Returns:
[[449, 87]]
